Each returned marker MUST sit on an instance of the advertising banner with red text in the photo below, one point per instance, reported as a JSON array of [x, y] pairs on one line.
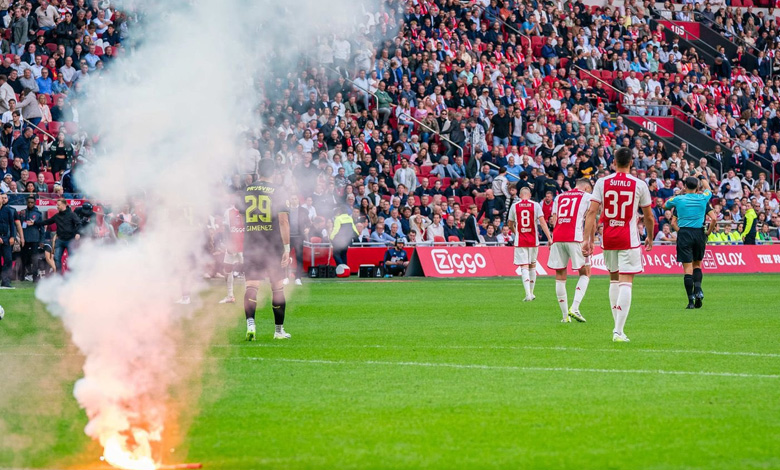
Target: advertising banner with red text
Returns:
[[498, 261], [660, 126]]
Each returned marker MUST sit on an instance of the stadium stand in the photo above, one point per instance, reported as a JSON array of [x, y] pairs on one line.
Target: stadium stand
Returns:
[[441, 104]]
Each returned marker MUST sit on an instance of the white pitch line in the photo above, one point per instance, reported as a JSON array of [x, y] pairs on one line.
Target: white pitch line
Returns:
[[520, 348], [465, 347], [520, 368]]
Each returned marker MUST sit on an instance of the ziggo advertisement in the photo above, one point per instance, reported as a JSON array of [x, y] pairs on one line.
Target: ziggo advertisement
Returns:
[[498, 261]]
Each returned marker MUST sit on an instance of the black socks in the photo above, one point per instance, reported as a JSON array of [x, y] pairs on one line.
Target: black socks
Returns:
[[278, 304], [689, 286], [697, 280], [250, 302]]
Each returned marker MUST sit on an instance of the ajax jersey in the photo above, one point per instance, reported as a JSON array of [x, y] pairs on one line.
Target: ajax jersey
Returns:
[[570, 207], [621, 195]]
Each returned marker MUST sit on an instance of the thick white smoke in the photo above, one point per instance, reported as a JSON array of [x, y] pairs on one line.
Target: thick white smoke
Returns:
[[169, 115]]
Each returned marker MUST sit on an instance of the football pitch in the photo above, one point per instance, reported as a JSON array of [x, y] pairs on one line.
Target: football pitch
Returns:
[[438, 374]]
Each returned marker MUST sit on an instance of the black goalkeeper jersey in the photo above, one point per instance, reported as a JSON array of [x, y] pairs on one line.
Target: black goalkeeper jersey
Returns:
[[263, 202]]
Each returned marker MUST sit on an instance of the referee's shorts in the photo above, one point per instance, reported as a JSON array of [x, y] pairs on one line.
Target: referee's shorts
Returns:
[[691, 243]]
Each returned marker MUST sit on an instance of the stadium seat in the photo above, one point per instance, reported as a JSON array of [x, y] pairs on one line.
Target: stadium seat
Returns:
[[71, 128], [51, 47], [457, 199], [425, 170], [480, 200], [54, 128], [432, 180], [387, 197], [466, 201], [416, 201], [445, 183], [98, 51], [453, 239], [437, 239], [736, 3]]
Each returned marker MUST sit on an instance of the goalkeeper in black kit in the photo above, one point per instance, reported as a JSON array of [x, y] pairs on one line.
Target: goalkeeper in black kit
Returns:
[[266, 245]]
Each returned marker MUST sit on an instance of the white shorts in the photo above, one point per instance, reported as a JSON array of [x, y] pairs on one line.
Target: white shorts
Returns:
[[561, 253], [233, 258], [624, 261], [525, 256]]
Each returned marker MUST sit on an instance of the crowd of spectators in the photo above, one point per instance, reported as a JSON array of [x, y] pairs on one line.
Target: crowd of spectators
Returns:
[[469, 102], [439, 111], [50, 50]]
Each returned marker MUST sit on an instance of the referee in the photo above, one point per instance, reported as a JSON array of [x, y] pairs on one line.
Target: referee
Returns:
[[691, 208]]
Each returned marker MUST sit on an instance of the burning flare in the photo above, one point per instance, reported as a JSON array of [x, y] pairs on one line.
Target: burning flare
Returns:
[[117, 452]]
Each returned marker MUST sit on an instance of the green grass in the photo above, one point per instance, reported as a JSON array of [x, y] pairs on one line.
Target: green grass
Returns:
[[445, 374]]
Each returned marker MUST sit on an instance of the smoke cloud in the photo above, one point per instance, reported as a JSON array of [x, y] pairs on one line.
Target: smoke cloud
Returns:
[[168, 114]]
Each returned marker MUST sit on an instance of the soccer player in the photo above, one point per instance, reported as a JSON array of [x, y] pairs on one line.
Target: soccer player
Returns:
[[266, 245], [568, 213], [524, 215], [620, 194], [234, 248], [690, 209]]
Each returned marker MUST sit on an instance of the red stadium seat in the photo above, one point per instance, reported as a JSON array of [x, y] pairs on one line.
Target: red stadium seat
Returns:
[[432, 180], [98, 51], [480, 200], [71, 128], [54, 128], [425, 170], [457, 199], [453, 239], [387, 197], [48, 177], [445, 183], [466, 201], [438, 239], [416, 201], [51, 47], [736, 3]]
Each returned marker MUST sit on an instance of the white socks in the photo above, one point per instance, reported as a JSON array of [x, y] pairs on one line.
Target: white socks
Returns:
[[532, 278], [613, 296], [563, 299], [582, 287], [230, 283], [623, 306], [526, 280], [250, 322]]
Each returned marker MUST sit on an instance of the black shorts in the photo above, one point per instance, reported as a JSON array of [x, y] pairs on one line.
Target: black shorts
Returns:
[[691, 243], [259, 265]]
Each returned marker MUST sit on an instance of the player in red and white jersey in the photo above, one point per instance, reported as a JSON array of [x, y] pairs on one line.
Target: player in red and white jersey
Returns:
[[234, 248], [524, 215], [568, 213], [621, 195]]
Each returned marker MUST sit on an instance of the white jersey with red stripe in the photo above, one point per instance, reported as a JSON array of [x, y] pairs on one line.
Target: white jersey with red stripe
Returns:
[[234, 221], [525, 215], [570, 208], [621, 195]]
